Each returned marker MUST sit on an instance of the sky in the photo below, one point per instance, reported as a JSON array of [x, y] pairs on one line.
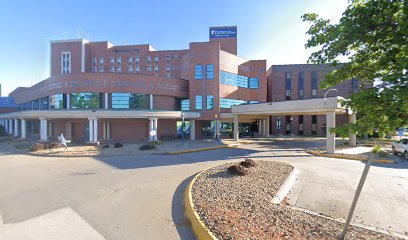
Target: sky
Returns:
[[267, 29]]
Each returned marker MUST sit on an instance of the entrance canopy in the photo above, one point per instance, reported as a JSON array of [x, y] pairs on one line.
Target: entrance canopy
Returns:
[[316, 106]]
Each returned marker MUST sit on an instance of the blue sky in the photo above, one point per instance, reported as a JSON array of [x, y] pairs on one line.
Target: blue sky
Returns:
[[267, 29]]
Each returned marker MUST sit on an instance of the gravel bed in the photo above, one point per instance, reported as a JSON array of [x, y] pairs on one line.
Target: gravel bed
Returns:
[[240, 207]]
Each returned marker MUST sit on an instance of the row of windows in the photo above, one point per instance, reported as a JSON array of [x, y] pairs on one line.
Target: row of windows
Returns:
[[301, 84], [130, 60], [131, 69], [228, 102], [209, 71], [238, 80]]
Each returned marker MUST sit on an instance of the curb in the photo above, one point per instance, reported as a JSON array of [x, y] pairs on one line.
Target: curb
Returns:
[[199, 228], [348, 158], [203, 149], [286, 186]]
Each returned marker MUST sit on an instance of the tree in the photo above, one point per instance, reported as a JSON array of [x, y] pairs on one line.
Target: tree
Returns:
[[372, 34]]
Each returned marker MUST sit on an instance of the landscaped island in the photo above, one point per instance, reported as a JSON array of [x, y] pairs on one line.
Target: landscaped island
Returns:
[[239, 206]]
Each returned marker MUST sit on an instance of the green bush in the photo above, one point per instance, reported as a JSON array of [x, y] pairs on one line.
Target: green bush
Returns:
[[376, 149]]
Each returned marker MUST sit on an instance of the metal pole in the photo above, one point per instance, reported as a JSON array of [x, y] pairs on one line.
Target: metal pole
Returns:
[[355, 199], [182, 130]]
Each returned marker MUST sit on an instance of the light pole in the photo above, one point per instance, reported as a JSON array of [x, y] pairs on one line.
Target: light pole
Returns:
[[182, 128], [278, 125], [325, 95]]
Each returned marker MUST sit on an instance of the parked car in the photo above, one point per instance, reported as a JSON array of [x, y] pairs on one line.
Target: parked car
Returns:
[[400, 146]]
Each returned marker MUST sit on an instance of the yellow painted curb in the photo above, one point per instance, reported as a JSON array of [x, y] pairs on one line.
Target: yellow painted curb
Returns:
[[199, 228], [203, 149], [347, 157]]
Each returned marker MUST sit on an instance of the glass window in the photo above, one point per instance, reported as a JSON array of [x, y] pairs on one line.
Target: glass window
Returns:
[[130, 69], [137, 59], [288, 86], [185, 105], [35, 104], [199, 103], [354, 85], [44, 103], [228, 103], [314, 83], [210, 102], [129, 101], [149, 59], [301, 85], [86, 100], [168, 73], [130, 60], [314, 124], [112, 69], [119, 60], [94, 61], [301, 127], [156, 58], [149, 68], [137, 69], [119, 69], [210, 71], [156, 68], [57, 101], [168, 67], [94, 69], [66, 62], [101, 69], [112, 60], [198, 71], [100, 60], [253, 83], [167, 58]]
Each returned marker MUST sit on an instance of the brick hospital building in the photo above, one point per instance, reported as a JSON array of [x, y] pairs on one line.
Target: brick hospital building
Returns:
[[97, 91]]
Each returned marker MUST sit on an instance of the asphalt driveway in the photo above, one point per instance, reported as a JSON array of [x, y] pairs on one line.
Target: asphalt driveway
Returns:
[[140, 197]]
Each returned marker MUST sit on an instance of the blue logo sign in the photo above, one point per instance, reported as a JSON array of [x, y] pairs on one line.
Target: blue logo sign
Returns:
[[226, 32]]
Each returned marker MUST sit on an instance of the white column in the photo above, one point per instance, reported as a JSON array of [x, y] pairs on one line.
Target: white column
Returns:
[[68, 100], [236, 127], [267, 126], [192, 129], [68, 130], [6, 126], [43, 129], [155, 128], [23, 128], [331, 137], [151, 127], [10, 122], [91, 129], [151, 102], [108, 130], [259, 127], [49, 133], [95, 131], [352, 137], [264, 128], [106, 100], [15, 127]]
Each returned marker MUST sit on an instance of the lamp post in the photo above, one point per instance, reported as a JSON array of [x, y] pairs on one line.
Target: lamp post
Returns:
[[278, 125], [325, 95], [216, 127], [182, 128]]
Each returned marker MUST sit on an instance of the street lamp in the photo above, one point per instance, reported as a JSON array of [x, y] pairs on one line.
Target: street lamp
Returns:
[[325, 95], [182, 128]]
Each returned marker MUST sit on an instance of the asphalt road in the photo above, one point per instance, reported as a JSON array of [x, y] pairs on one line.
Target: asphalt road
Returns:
[[140, 197]]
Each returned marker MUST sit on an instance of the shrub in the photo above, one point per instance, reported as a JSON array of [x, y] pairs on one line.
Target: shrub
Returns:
[[238, 169], [248, 163], [2, 131], [105, 146], [147, 147], [376, 149], [54, 145], [118, 145], [38, 146]]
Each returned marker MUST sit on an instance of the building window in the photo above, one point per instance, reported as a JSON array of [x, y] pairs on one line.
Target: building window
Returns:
[[314, 84], [156, 68], [185, 105], [137, 69], [149, 59], [93, 61], [119, 69], [288, 127], [301, 85], [56, 101], [130, 69], [253, 83], [100, 61], [118, 60], [94, 69], [86, 100], [354, 85], [287, 85], [168, 74], [112, 69], [137, 59], [149, 68], [66, 62], [210, 102], [129, 101], [156, 58], [314, 124], [301, 125], [228, 102], [198, 71], [199, 103], [112, 60], [168, 67], [210, 71], [130, 60], [101, 69], [168, 59], [44, 103]]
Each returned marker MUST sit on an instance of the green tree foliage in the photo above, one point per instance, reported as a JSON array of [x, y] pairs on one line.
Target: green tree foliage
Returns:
[[372, 34]]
